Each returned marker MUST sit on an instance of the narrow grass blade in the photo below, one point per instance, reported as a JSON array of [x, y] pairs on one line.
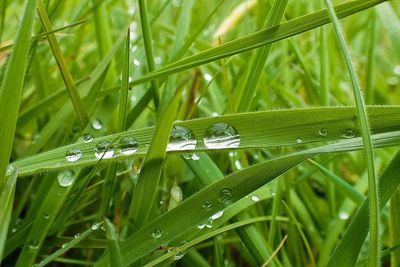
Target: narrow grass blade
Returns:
[[394, 229], [65, 73], [349, 247], [373, 190], [369, 88], [123, 99], [113, 245], [7, 200]]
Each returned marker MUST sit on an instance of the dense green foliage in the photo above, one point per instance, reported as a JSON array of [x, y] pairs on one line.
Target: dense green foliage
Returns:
[[199, 133]]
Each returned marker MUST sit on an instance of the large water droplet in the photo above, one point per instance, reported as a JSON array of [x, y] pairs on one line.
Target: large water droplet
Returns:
[[206, 204], [221, 135], [65, 178], [156, 233], [34, 244], [97, 124], [104, 150], [225, 196], [323, 132], [128, 145], [348, 133], [217, 215], [73, 154], [181, 138], [87, 138]]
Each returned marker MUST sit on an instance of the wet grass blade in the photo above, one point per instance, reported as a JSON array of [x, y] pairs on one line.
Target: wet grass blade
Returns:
[[373, 190]]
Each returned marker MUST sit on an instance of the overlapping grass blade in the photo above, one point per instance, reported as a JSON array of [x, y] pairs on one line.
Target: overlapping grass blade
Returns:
[[259, 129]]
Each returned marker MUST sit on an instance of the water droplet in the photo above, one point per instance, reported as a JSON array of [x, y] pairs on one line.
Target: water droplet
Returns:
[[104, 150], [195, 157], [217, 215], [34, 245], [206, 204], [77, 235], [156, 233], [181, 138], [95, 226], [299, 140], [136, 62], [225, 196], [46, 216], [201, 226], [208, 77], [65, 178], [187, 155], [238, 164], [64, 245], [343, 215], [10, 169], [221, 135], [255, 198], [179, 255], [128, 145], [348, 133], [147, 144], [396, 70], [97, 124], [87, 138], [323, 132], [73, 154], [273, 194]]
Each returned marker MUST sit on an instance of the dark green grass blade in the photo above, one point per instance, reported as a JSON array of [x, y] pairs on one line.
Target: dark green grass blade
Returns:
[[373, 190], [349, 247]]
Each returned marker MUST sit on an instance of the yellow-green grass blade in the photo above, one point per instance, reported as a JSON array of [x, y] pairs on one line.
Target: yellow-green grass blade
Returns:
[[65, 73], [349, 247], [373, 190], [146, 189], [7, 200], [259, 129], [246, 92]]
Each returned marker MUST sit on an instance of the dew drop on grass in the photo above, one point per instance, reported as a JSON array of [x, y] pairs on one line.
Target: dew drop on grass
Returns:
[[299, 140], [217, 215], [104, 150], [195, 156], [225, 196], [179, 255], [255, 198], [95, 226], [128, 145], [201, 226], [206, 204], [77, 235], [323, 132], [348, 133], [33, 245], [97, 124], [73, 154], [221, 135], [156, 233], [10, 170], [65, 178], [87, 138], [181, 138], [46, 216], [344, 215]]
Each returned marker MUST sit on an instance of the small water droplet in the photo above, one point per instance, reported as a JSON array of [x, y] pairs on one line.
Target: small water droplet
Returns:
[[77, 235], [343, 215], [46, 216], [73, 154], [34, 244], [179, 255], [104, 150], [64, 245], [208, 77], [206, 204], [217, 215], [187, 155], [348, 133], [221, 135], [396, 70], [87, 138], [273, 194], [299, 140], [95, 226], [156, 233], [181, 138], [97, 124], [255, 198], [225, 196], [10, 169], [323, 132], [201, 226], [147, 144], [136, 62], [238, 164], [65, 178], [128, 145], [195, 156]]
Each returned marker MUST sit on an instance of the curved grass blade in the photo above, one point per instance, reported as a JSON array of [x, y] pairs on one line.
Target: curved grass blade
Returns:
[[373, 190], [260, 129]]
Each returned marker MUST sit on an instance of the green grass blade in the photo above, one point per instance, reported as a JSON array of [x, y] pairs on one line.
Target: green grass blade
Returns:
[[260, 129], [113, 245], [394, 228], [11, 87], [6, 199], [123, 99], [373, 190], [65, 73], [369, 88], [349, 247]]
